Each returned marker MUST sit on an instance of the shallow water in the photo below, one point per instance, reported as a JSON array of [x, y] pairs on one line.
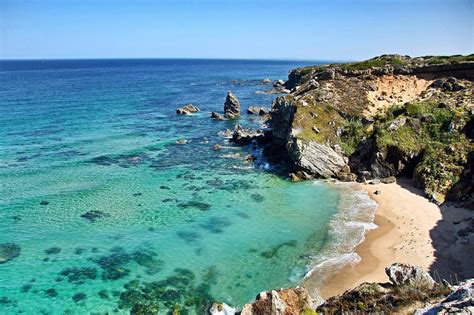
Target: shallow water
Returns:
[[97, 194]]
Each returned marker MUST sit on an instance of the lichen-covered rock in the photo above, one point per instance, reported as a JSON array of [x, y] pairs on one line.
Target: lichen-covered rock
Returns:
[[9, 251], [403, 274], [231, 106]]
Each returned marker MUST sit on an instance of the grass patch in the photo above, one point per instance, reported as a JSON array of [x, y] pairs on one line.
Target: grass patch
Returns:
[[436, 60], [374, 63], [354, 132], [321, 116]]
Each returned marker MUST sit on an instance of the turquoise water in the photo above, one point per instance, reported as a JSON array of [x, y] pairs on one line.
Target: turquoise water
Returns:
[[109, 211]]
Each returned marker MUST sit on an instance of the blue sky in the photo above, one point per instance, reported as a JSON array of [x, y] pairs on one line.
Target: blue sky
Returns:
[[276, 29]]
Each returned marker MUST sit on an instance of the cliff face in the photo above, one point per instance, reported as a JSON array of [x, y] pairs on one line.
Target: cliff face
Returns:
[[388, 116]]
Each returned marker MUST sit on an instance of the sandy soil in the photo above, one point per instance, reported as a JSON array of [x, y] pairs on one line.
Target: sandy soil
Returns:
[[396, 89], [410, 230]]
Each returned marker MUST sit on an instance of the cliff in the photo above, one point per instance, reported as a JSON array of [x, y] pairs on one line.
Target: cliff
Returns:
[[385, 117]]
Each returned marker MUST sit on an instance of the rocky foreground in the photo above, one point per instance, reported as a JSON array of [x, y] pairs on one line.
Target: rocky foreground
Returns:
[[410, 290]]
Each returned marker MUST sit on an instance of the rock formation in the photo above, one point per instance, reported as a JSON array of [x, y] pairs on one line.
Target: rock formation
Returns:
[[187, 109], [231, 106], [217, 116], [381, 118]]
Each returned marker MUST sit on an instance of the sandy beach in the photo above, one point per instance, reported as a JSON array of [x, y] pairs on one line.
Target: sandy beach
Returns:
[[410, 230]]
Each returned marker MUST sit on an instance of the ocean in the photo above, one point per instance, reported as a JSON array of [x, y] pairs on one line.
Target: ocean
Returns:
[[109, 212]]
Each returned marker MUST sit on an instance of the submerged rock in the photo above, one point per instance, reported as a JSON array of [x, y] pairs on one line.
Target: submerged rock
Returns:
[[52, 251], [187, 109], [9, 251], [94, 215], [231, 106]]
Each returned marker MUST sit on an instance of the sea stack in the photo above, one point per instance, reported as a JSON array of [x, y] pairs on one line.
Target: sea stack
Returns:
[[231, 106]]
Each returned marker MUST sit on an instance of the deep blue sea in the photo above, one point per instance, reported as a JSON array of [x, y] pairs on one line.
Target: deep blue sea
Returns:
[[109, 211]]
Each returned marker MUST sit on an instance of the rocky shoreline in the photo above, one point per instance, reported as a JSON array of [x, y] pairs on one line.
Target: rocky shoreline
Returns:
[[372, 122]]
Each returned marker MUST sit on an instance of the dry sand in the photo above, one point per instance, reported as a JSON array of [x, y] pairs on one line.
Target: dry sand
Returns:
[[410, 230]]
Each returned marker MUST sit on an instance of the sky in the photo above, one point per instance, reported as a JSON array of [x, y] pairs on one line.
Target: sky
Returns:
[[248, 29]]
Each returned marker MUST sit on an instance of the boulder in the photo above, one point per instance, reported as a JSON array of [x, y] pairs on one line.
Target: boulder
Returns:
[[9, 251], [279, 302], [187, 109], [253, 110], [328, 74], [388, 180], [231, 106], [243, 136], [278, 83], [403, 274], [217, 116], [221, 309], [263, 111]]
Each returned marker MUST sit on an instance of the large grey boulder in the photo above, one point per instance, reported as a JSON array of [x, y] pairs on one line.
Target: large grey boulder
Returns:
[[403, 274], [316, 159], [231, 106]]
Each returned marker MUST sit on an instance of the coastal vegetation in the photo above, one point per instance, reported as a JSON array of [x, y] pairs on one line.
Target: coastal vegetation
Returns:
[[388, 116]]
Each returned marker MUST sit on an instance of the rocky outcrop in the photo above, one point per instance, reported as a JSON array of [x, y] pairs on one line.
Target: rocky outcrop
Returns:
[[217, 116], [316, 159], [279, 302], [187, 109], [459, 301], [256, 110], [283, 111], [385, 117], [410, 287], [403, 274], [243, 136], [231, 106]]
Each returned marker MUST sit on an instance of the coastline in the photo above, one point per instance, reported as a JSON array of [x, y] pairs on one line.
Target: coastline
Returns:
[[405, 236]]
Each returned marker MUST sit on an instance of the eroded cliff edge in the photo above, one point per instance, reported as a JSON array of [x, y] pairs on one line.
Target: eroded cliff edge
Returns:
[[382, 118]]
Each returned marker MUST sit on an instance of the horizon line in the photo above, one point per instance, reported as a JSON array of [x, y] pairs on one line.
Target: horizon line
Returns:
[[174, 58]]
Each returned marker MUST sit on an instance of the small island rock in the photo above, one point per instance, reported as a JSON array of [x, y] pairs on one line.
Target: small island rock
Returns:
[[231, 106]]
